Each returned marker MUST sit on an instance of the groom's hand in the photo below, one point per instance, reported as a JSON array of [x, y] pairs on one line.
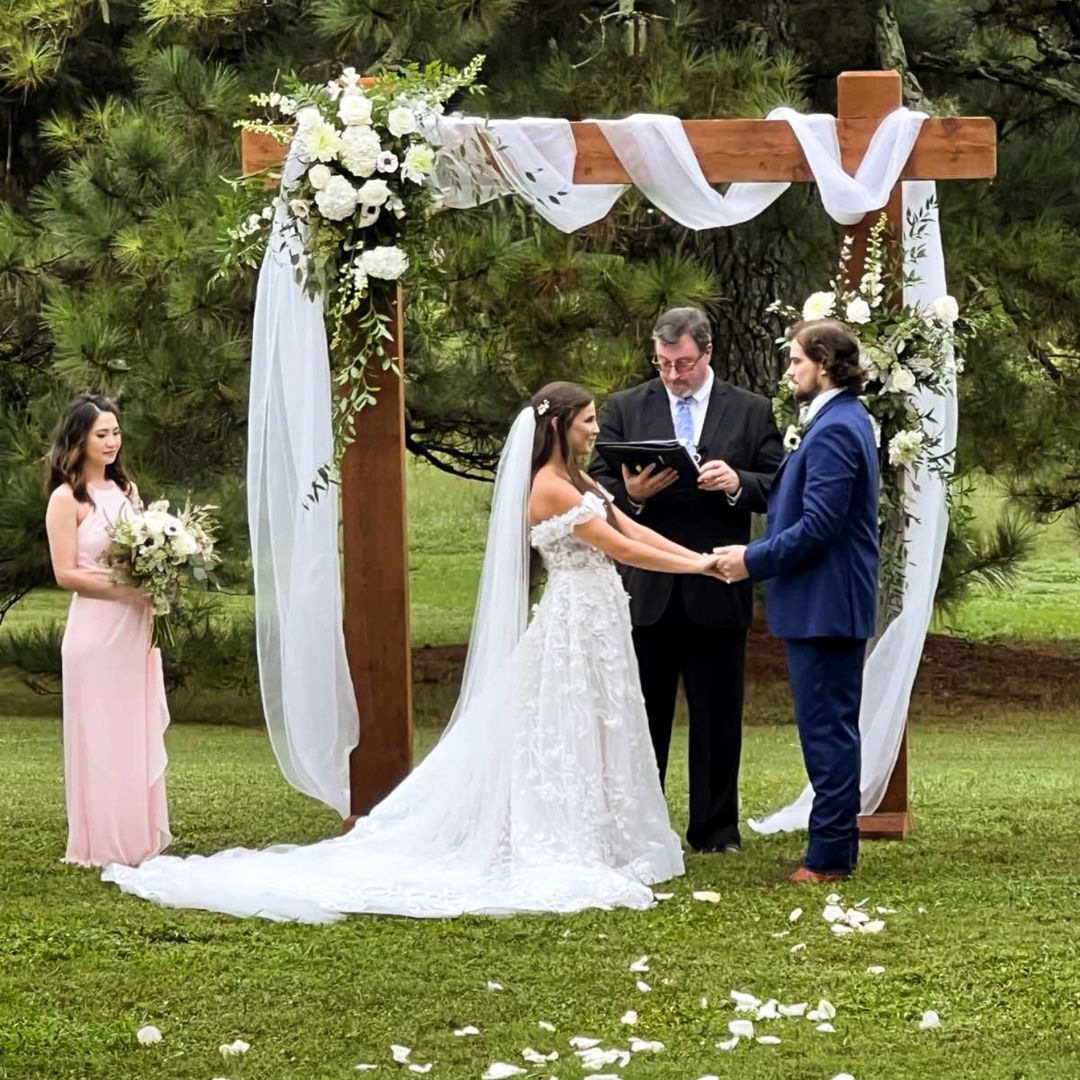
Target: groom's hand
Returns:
[[731, 563], [645, 484]]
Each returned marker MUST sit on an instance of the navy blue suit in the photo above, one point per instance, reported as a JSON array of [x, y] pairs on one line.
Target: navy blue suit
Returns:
[[820, 556]]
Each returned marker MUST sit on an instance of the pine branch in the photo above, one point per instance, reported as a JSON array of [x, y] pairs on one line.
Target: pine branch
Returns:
[[1011, 73]]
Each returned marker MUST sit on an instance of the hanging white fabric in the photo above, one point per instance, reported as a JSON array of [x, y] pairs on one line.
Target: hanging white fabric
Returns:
[[534, 159], [307, 695]]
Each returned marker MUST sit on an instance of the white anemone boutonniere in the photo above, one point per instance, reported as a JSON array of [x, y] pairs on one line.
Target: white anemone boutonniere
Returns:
[[792, 438]]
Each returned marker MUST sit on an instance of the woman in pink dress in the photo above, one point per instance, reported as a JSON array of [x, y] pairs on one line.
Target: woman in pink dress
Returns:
[[115, 713]]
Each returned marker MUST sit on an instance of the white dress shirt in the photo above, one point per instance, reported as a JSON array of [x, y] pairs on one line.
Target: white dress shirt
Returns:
[[819, 403]]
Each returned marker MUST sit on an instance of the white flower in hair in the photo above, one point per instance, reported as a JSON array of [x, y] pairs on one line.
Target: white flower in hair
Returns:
[[543, 407]]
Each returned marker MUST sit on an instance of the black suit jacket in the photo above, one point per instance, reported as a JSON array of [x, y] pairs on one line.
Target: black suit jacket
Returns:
[[739, 429]]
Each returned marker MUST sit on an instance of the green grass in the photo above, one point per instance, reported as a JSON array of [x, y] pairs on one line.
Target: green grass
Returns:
[[993, 862]]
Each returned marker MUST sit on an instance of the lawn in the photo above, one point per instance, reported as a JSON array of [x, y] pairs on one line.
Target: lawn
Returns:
[[984, 933]]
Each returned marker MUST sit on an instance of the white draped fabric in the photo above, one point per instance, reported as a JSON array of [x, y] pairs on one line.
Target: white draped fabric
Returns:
[[307, 695], [534, 160]]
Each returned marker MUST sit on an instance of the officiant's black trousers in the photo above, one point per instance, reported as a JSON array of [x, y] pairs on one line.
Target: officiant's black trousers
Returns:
[[711, 665]]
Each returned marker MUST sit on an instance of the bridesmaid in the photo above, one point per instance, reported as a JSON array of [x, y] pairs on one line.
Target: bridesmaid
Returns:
[[115, 713]]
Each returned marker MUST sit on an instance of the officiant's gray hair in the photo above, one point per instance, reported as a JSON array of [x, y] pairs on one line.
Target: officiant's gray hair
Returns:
[[677, 321]]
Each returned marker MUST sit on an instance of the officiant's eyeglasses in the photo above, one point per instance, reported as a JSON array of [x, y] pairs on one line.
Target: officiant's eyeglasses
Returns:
[[677, 365]]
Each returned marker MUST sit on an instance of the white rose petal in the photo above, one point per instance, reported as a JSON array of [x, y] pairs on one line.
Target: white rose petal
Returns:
[[500, 1070], [234, 1049], [930, 1019], [545, 1025], [793, 1010], [364, 1067], [795, 916], [583, 1042], [400, 1054], [875, 926], [826, 1029], [728, 1044], [839, 929], [741, 1028], [468, 1029], [707, 896], [740, 997], [768, 1040], [885, 910], [149, 1035], [420, 1068], [645, 1046], [832, 898], [534, 1057], [354, 108], [640, 965], [818, 305], [401, 120], [832, 913], [798, 948], [704, 1002], [629, 1017], [843, 1076], [494, 986], [644, 987], [663, 895], [769, 1011], [875, 969], [782, 934]]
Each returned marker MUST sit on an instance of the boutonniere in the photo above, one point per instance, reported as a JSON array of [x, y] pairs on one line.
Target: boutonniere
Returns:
[[792, 437]]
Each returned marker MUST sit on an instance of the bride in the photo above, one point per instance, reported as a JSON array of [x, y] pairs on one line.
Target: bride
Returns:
[[542, 795]]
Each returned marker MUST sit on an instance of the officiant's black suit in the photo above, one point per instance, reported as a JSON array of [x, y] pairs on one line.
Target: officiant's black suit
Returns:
[[691, 625]]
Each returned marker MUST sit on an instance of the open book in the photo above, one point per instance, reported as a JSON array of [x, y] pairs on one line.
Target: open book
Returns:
[[637, 456]]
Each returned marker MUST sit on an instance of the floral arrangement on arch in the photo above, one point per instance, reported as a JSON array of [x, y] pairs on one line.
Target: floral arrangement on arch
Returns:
[[903, 350], [354, 211]]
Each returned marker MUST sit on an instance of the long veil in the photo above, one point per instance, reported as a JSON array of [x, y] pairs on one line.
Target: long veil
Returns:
[[502, 600]]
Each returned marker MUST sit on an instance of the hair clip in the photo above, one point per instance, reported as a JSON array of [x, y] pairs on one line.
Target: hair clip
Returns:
[[543, 407]]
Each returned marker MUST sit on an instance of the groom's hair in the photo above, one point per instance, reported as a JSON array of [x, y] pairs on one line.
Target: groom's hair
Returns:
[[832, 344], [675, 322]]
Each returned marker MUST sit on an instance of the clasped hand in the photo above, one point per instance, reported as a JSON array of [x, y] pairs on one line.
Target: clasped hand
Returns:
[[730, 565]]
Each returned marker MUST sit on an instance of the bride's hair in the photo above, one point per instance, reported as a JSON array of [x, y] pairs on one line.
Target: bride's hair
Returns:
[[556, 406], [68, 450]]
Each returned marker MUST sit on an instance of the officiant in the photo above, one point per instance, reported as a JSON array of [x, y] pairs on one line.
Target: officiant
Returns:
[[695, 627]]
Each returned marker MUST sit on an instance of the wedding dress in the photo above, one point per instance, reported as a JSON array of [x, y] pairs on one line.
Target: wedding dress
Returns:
[[542, 795]]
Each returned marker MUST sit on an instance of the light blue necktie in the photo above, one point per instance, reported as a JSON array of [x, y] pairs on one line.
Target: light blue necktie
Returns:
[[684, 423]]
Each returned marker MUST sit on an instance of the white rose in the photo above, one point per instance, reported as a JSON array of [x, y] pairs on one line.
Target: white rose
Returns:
[[318, 176], [818, 305], [149, 1035], [337, 200], [308, 118], [945, 309], [300, 208], [419, 161], [354, 108], [388, 162], [401, 121], [373, 192], [322, 142], [902, 381], [857, 311], [234, 1049], [360, 149], [388, 263]]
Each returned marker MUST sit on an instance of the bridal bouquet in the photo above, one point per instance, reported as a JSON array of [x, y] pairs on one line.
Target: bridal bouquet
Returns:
[[160, 554], [353, 201], [904, 350]]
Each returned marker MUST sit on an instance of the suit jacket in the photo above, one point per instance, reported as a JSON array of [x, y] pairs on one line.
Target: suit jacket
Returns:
[[739, 428], [821, 545]]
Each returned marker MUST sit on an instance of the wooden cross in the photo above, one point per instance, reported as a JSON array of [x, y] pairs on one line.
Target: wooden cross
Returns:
[[373, 473]]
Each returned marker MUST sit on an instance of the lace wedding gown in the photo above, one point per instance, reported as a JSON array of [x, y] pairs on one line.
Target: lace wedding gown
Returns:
[[543, 796]]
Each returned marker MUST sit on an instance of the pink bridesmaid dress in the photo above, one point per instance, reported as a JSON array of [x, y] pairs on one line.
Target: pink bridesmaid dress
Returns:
[[115, 715]]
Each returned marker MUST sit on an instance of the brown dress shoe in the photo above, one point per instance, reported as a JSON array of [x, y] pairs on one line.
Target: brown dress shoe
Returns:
[[805, 876]]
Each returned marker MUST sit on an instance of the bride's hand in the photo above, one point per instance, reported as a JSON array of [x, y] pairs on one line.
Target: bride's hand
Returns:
[[707, 565]]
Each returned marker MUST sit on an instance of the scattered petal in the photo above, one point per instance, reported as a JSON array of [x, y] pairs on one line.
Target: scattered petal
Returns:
[[796, 915], [364, 1068], [769, 1010], [545, 1025], [644, 987], [843, 1076], [628, 1017], [745, 1000], [400, 1054], [468, 1029], [769, 1040], [149, 1035], [826, 1010], [855, 917], [420, 1068], [493, 986], [885, 910], [826, 1029], [640, 965], [580, 1042], [839, 929], [930, 1019], [534, 1057], [875, 926], [663, 895], [875, 969], [641, 1046], [921, 910], [832, 898], [781, 933], [704, 1002], [728, 1044], [863, 902], [832, 913], [500, 1070], [793, 1010], [234, 1049], [798, 948], [708, 896], [741, 1028]]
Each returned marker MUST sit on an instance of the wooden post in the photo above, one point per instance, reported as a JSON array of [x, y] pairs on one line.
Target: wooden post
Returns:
[[376, 588], [871, 95]]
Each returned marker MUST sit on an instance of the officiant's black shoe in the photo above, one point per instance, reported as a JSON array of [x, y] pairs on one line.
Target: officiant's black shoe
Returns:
[[730, 848]]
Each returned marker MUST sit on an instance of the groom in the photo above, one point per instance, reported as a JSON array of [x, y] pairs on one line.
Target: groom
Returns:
[[821, 552]]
